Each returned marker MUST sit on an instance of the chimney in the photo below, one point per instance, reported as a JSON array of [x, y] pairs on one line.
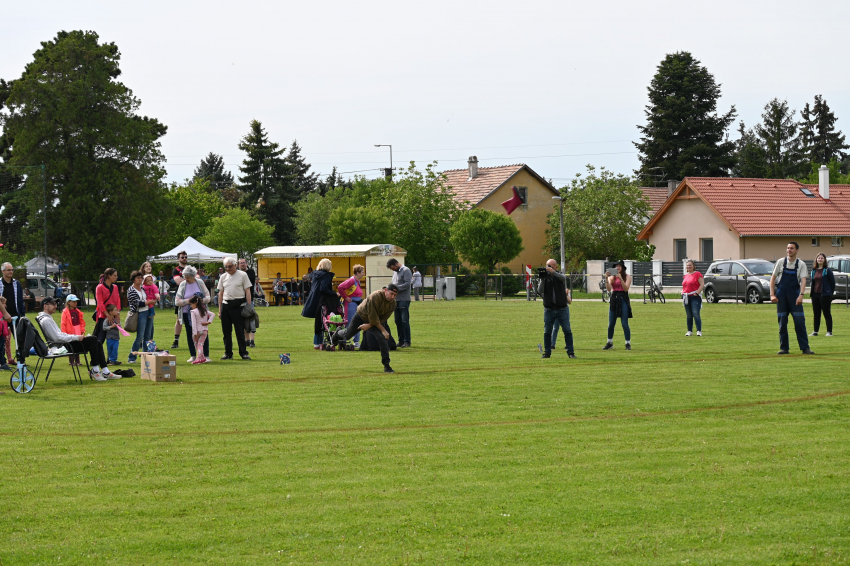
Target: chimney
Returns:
[[823, 184], [473, 167], [671, 186]]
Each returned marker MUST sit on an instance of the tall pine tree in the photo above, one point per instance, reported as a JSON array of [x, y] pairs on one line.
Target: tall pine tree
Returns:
[[780, 140], [826, 142], [303, 181], [750, 155], [683, 134], [212, 169], [266, 182]]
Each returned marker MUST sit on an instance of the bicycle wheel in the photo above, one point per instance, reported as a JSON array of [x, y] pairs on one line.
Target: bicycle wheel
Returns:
[[22, 380], [661, 297], [606, 296]]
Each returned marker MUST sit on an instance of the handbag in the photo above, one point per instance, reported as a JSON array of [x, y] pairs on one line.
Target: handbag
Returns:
[[131, 323]]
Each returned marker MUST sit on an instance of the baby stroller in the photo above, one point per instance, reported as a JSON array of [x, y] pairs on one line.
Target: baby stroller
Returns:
[[259, 296], [333, 320]]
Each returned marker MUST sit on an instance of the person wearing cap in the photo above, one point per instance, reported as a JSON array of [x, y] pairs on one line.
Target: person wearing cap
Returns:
[[73, 322], [76, 343], [371, 316]]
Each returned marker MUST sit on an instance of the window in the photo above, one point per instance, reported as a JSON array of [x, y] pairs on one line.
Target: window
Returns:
[[523, 194], [807, 192], [738, 269], [834, 264], [845, 266], [707, 250], [680, 249], [837, 241], [815, 242], [32, 283], [721, 269]]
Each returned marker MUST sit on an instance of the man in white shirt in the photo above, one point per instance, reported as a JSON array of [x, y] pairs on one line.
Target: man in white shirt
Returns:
[[791, 274], [234, 291]]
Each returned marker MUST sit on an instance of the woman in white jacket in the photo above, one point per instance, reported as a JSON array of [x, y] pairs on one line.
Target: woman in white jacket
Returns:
[[190, 287]]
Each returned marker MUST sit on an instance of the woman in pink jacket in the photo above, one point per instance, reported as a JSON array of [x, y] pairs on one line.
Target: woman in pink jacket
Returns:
[[352, 293]]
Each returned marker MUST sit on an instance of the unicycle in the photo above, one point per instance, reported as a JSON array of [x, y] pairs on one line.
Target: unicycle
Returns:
[[22, 380]]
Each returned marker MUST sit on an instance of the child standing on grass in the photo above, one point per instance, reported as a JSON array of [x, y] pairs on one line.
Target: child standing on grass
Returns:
[[74, 323], [152, 292], [201, 319], [113, 337], [6, 333]]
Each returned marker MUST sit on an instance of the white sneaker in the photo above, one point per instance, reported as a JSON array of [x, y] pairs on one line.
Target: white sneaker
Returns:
[[109, 375], [813, 334], [699, 332], [190, 360], [688, 333], [829, 333], [96, 375]]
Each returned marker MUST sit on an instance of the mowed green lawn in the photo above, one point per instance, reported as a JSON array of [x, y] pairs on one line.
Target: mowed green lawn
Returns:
[[694, 450]]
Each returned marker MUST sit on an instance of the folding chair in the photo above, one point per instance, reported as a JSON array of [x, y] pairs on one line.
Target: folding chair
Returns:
[[39, 365]]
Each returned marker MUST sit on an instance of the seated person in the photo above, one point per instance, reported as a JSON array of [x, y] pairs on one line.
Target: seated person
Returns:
[[294, 293], [280, 291], [74, 342], [29, 300]]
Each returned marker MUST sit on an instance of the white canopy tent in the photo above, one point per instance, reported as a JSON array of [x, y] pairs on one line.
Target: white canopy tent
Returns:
[[197, 252], [36, 265]]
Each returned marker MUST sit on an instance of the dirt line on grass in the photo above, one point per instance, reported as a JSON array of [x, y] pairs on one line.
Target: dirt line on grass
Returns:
[[388, 428]]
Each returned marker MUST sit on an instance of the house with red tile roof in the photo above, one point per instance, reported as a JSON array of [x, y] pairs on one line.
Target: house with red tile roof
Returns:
[[708, 218], [488, 187], [656, 197]]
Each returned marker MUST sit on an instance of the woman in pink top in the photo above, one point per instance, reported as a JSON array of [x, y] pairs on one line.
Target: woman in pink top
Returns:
[[618, 285], [692, 286], [352, 294], [106, 293]]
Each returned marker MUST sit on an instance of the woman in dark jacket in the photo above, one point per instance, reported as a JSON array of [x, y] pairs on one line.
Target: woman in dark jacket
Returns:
[[321, 293], [821, 290]]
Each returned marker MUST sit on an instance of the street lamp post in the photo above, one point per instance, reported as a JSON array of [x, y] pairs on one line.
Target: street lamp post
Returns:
[[563, 255], [390, 170]]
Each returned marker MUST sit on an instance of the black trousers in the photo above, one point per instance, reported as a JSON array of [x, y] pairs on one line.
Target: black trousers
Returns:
[[231, 316], [822, 304], [354, 328], [279, 296], [89, 345]]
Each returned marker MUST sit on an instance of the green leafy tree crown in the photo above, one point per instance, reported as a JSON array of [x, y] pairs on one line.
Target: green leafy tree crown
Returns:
[[239, 232], [484, 238], [359, 225]]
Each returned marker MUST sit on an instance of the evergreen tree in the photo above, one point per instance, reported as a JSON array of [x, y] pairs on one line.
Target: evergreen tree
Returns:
[[303, 181], [332, 181], [807, 132], [826, 142], [103, 162], [750, 155], [684, 135], [212, 169], [779, 140], [267, 183]]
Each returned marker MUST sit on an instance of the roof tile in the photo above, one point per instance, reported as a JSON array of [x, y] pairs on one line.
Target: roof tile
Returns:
[[475, 190]]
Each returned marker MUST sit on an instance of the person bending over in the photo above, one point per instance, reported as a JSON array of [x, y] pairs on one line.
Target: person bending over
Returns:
[[74, 342], [372, 316]]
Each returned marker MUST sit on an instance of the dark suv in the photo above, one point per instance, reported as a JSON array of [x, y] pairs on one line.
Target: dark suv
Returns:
[[740, 279]]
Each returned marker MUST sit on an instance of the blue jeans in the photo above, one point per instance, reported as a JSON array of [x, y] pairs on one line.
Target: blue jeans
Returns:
[[141, 332], [692, 311], [112, 350], [624, 321], [149, 328], [788, 305], [552, 318], [187, 323], [402, 321], [351, 310]]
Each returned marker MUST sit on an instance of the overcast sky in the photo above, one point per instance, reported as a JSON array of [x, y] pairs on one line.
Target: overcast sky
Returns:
[[555, 84]]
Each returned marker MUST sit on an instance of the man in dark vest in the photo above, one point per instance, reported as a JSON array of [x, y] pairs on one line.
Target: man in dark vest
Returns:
[[14, 293], [556, 310]]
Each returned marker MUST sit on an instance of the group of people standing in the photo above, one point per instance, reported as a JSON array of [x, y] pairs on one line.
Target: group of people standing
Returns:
[[787, 289]]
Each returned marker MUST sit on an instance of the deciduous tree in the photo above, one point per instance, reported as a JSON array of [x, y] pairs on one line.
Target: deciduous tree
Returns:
[[359, 225], [238, 231], [484, 238]]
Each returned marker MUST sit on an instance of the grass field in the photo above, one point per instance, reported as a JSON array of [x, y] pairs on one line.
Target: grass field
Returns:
[[705, 450]]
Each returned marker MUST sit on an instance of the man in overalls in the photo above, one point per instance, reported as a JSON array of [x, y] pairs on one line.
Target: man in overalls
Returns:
[[788, 297]]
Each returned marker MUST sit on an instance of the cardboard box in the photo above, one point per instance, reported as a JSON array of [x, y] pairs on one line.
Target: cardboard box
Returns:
[[159, 368]]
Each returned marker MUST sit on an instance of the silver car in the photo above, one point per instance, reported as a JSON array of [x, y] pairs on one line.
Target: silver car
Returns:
[[739, 279], [840, 265]]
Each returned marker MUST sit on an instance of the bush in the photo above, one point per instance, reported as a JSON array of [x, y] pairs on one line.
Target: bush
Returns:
[[511, 285]]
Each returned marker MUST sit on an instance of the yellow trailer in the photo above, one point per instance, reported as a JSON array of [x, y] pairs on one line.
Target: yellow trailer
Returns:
[[294, 261]]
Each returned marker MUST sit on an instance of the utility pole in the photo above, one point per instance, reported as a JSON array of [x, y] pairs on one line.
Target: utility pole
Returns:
[[388, 173]]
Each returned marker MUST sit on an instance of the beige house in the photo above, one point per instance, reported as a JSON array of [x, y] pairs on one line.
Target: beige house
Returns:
[[488, 187], [708, 218]]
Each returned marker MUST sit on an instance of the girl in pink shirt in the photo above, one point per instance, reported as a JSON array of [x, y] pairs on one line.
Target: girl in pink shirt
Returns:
[[201, 319], [352, 294], [692, 286]]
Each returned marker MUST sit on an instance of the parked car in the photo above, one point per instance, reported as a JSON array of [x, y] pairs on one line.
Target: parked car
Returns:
[[39, 287], [740, 279], [840, 265]]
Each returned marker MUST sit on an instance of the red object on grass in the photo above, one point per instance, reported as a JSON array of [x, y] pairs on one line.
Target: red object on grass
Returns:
[[512, 203]]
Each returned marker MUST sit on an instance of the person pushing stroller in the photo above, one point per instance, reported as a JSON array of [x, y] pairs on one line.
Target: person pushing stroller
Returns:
[[371, 316]]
